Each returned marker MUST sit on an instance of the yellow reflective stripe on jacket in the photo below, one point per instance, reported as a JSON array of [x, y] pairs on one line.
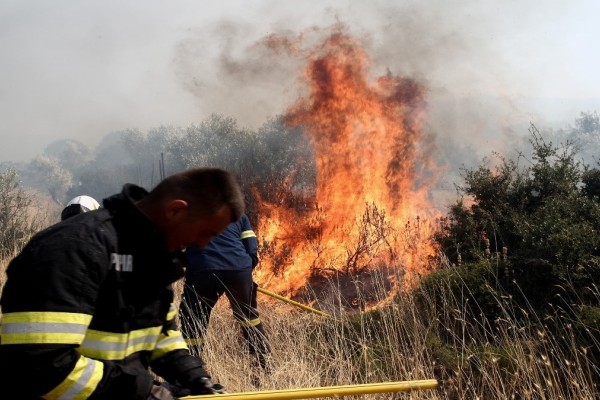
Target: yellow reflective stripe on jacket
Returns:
[[173, 340], [117, 346], [80, 383], [194, 341], [43, 327], [247, 234], [172, 312], [249, 322]]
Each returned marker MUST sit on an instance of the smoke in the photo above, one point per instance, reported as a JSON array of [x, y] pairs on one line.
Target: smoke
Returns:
[[476, 59], [87, 69]]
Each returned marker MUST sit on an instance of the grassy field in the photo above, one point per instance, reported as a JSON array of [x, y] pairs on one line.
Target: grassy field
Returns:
[[396, 342]]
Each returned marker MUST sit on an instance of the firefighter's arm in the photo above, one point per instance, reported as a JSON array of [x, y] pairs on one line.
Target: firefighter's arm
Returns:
[[172, 361], [48, 303], [249, 240]]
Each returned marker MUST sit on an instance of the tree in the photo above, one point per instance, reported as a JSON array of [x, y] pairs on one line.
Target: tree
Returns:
[[47, 174], [276, 162], [145, 150], [216, 141], [585, 136], [591, 182], [285, 155], [70, 153], [100, 181], [111, 151]]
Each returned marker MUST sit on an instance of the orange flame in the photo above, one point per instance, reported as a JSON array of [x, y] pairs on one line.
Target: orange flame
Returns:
[[372, 174]]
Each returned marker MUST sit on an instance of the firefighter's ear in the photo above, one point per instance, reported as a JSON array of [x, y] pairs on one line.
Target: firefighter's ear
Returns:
[[176, 209]]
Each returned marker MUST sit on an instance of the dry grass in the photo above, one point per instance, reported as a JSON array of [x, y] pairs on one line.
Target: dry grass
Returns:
[[395, 343], [38, 214], [399, 341]]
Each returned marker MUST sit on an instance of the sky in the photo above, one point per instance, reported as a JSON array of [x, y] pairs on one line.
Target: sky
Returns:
[[82, 69]]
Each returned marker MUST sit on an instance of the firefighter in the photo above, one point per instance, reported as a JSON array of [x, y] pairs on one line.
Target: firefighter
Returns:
[[87, 307], [79, 205], [224, 266]]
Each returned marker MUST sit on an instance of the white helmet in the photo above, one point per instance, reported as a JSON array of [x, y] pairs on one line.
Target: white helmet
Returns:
[[79, 205]]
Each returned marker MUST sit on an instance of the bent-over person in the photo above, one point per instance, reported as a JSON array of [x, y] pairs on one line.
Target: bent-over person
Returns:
[[87, 308]]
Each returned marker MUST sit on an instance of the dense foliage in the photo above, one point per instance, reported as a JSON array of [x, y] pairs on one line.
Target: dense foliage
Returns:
[[523, 241], [547, 209], [268, 161]]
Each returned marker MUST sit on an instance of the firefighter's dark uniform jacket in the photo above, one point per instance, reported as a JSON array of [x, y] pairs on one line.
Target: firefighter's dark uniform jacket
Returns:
[[87, 309], [224, 266]]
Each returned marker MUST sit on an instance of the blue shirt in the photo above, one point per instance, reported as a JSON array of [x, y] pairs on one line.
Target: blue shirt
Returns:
[[234, 249]]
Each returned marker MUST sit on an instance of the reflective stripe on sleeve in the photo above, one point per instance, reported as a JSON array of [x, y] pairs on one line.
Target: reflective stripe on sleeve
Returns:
[[43, 327], [247, 234], [80, 383], [117, 346], [194, 341], [173, 340], [172, 312]]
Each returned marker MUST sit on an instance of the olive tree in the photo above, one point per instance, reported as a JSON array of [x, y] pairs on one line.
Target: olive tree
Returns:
[[46, 174]]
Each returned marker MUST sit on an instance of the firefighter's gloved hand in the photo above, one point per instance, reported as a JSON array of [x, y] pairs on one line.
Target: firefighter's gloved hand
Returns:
[[205, 386], [160, 392]]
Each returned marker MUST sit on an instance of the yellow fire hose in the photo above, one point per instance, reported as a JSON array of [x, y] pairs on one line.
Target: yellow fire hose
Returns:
[[303, 306], [326, 391]]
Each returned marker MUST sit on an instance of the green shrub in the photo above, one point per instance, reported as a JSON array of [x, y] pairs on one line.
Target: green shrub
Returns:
[[546, 210], [461, 296]]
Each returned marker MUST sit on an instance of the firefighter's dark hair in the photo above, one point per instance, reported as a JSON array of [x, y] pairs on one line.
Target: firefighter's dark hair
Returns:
[[206, 190]]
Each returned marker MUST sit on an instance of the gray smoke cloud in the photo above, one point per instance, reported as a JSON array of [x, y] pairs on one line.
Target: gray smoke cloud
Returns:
[[86, 69], [489, 69]]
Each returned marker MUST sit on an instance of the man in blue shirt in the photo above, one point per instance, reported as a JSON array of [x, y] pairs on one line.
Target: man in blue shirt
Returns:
[[224, 266]]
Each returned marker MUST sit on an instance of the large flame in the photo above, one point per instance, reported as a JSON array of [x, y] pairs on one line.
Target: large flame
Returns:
[[373, 174]]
